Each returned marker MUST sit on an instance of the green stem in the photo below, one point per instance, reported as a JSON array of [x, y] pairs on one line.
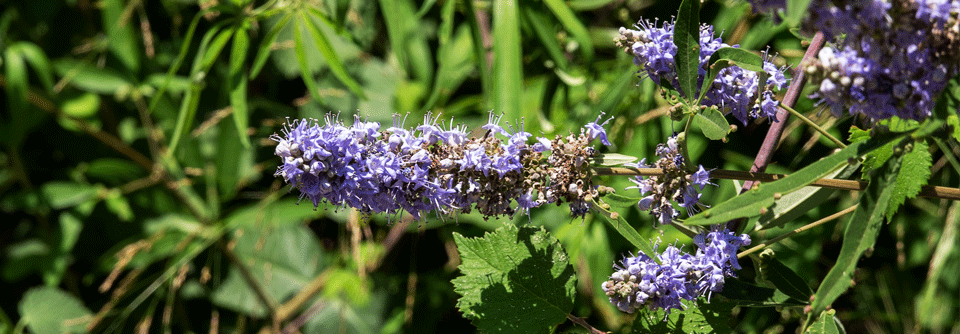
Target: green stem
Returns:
[[819, 129], [683, 141], [767, 243]]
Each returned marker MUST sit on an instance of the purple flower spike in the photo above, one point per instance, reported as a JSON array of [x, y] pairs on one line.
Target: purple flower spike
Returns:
[[595, 130], [641, 282], [429, 168]]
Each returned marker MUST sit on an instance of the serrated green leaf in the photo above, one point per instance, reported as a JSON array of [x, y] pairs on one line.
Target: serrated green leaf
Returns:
[[858, 135], [700, 317], [954, 123], [826, 324], [48, 310], [712, 123], [860, 234], [686, 35], [613, 159], [507, 65], [913, 175], [749, 204], [238, 84], [330, 55], [784, 279], [749, 295], [515, 280]]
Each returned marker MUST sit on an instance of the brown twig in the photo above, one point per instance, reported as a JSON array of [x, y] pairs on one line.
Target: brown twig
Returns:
[[925, 191], [584, 324]]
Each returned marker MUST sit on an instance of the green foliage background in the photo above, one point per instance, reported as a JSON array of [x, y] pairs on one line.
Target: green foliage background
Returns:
[[136, 169]]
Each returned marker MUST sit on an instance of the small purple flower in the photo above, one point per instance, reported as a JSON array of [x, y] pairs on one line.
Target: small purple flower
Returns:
[[595, 130], [639, 281]]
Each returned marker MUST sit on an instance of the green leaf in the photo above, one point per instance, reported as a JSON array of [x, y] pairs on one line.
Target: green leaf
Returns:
[[49, 310], [507, 65], [210, 46], [39, 61], [712, 123], [305, 73], [628, 232], [954, 122], [282, 260], [121, 37], [515, 280], [542, 25], [686, 35], [620, 201], [701, 317], [90, 78], [859, 235], [61, 194], [729, 56], [913, 175], [749, 204], [796, 11], [282, 212], [480, 55], [826, 324], [80, 105], [749, 295], [587, 5], [795, 204], [573, 25], [266, 46], [238, 84], [783, 278], [333, 60], [613, 159]]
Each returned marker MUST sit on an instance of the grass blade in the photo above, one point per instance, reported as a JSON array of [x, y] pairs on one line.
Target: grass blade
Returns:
[[238, 83], [507, 62], [333, 60]]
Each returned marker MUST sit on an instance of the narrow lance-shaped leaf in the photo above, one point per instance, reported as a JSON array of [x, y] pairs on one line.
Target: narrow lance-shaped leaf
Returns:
[[266, 46], [686, 35], [478, 47], [573, 25], [330, 55], [860, 235], [507, 62], [238, 83], [515, 280], [211, 45], [783, 278], [749, 204], [305, 74], [628, 232], [39, 61]]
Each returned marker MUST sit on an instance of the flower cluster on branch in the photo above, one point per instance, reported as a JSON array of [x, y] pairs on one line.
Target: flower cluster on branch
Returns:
[[435, 168], [675, 185], [735, 90], [641, 281]]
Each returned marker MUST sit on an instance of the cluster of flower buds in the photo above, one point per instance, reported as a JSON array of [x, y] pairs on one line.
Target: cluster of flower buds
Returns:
[[640, 281], [432, 168], [734, 90], [891, 58], [675, 185]]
